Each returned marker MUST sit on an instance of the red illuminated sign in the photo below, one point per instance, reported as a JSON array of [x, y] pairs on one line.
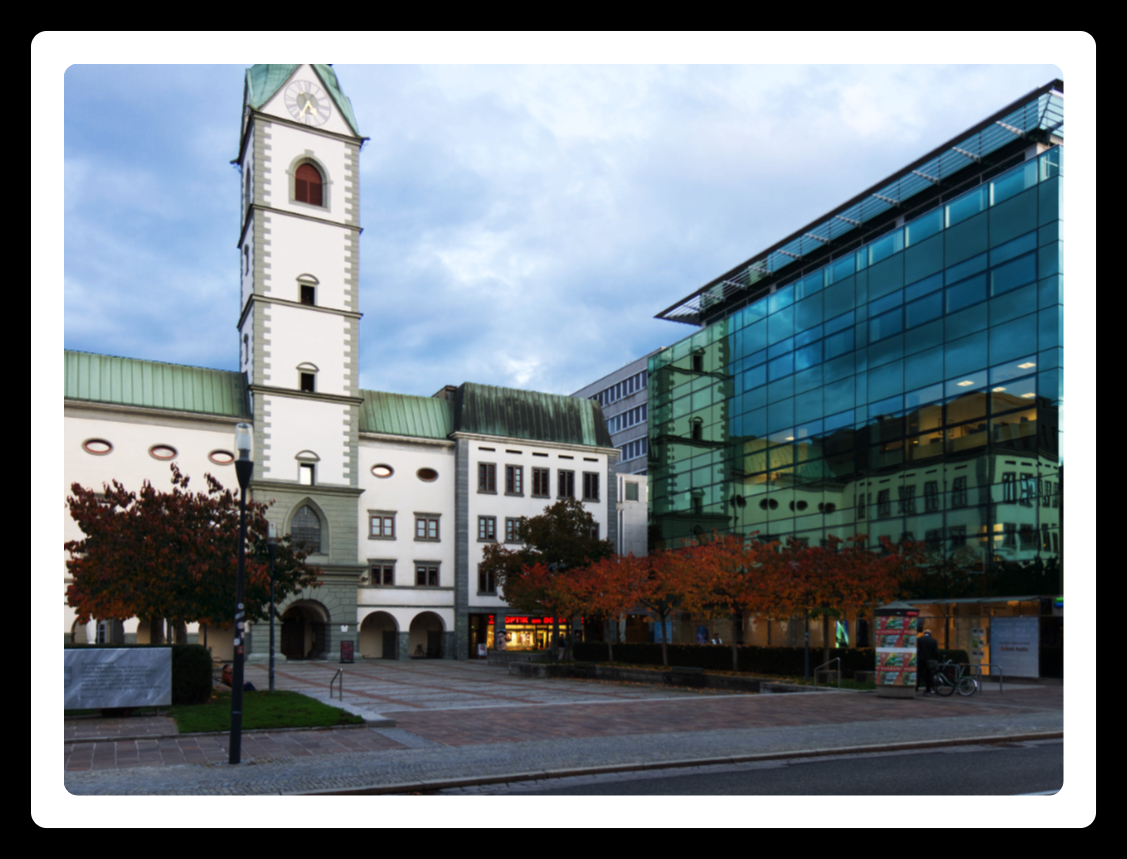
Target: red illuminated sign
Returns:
[[534, 621]]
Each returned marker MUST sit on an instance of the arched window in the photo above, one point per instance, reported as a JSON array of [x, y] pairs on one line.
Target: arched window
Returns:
[[307, 185], [306, 528]]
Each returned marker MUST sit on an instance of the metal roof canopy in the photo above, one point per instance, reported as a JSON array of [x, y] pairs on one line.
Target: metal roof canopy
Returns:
[[1041, 109]]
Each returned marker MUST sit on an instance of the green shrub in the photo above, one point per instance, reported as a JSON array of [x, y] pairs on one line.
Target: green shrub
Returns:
[[191, 674]]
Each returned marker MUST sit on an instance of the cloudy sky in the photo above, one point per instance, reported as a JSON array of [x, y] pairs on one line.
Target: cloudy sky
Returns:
[[522, 224]]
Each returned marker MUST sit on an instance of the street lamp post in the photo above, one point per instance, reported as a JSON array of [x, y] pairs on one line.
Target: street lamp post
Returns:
[[272, 546], [244, 465]]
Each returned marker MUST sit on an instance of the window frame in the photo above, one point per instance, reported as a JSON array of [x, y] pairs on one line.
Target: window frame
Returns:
[[306, 470], [487, 525], [385, 577], [383, 516], [430, 572], [565, 476], [512, 529], [322, 185], [487, 478], [514, 487], [486, 582], [544, 474], [959, 494], [590, 481], [320, 528], [428, 519]]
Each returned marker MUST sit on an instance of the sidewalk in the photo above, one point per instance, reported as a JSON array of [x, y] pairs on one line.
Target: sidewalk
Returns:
[[465, 723]]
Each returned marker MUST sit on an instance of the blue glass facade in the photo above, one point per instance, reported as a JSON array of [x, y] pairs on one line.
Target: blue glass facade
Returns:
[[909, 386]]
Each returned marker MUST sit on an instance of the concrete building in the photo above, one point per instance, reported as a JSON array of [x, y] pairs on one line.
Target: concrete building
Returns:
[[623, 397], [396, 494]]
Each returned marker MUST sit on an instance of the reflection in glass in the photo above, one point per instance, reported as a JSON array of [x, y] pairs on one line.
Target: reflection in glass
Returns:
[[966, 437]]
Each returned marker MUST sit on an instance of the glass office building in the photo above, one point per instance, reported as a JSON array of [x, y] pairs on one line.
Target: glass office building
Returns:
[[894, 368]]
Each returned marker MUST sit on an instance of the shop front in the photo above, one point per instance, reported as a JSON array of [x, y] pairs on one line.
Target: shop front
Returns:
[[521, 632]]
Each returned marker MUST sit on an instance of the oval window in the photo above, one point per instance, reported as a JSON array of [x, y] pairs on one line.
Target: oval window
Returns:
[[427, 474], [221, 457], [97, 446], [383, 470], [801, 505], [162, 451]]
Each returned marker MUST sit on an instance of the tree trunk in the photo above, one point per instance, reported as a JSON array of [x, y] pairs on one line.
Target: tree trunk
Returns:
[[735, 649], [555, 644], [156, 630], [179, 630], [664, 645], [612, 631], [826, 638]]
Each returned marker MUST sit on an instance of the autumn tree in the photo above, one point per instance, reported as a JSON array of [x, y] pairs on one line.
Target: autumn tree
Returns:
[[609, 588], [173, 555], [557, 543]]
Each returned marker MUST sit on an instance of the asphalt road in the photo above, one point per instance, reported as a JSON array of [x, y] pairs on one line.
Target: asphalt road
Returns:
[[991, 770]]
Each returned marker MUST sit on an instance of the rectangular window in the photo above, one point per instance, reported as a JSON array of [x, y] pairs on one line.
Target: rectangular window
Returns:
[[486, 477], [907, 498], [933, 539], [512, 530], [1028, 536], [487, 528], [486, 584], [1009, 487], [514, 479], [566, 484], [590, 486], [958, 536], [631, 491], [1046, 496], [382, 574], [884, 502], [540, 482], [426, 576], [426, 528], [959, 493], [593, 531], [307, 382], [1009, 535], [1028, 490], [381, 526], [305, 475], [931, 496], [307, 295], [861, 505]]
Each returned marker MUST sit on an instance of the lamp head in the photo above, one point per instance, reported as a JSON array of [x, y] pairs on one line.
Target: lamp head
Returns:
[[243, 443]]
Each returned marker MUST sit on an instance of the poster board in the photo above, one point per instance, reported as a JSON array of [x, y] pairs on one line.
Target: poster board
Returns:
[[1015, 645]]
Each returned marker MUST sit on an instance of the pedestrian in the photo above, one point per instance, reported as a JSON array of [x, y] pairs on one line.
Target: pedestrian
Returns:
[[927, 661]]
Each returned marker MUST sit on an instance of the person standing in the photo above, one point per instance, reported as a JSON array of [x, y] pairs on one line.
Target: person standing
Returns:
[[927, 661]]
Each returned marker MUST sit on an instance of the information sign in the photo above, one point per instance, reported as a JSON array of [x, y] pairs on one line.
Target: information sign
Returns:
[[1014, 645], [346, 651], [104, 677]]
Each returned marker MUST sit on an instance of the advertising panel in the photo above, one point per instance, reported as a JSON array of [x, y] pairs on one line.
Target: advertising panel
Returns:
[[1014, 643], [895, 639]]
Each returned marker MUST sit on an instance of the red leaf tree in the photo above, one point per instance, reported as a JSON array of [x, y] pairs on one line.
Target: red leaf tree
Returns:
[[174, 555]]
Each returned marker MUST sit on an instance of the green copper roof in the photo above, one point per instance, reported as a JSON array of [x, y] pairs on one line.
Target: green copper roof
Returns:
[[400, 414], [131, 382], [265, 79], [488, 410]]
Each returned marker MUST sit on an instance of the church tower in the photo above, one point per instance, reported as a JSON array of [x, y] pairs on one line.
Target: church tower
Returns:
[[298, 339]]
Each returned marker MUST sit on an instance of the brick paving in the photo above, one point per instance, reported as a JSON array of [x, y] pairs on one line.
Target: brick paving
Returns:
[[456, 721]]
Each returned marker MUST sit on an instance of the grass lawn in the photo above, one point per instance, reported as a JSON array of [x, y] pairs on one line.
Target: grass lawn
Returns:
[[260, 710]]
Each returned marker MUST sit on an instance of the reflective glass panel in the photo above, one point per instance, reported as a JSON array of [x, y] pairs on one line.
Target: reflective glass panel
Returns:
[[966, 293], [1013, 182], [1014, 248], [1013, 369], [1013, 274], [924, 310], [965, 206], [924, 226], [965, 269], [923, 287]]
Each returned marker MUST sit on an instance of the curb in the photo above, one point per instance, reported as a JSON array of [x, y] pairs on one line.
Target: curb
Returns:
[[220, 733], [537, 775]]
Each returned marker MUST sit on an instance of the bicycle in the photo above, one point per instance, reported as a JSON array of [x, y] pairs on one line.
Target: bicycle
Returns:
[[948, 678]]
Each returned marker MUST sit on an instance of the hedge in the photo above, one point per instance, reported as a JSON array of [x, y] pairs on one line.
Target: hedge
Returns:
[[191, 669], [786, 661]]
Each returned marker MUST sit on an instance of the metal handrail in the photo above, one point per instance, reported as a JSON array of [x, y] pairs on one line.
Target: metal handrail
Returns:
[[993, 666], [836, 659], [340, 674]]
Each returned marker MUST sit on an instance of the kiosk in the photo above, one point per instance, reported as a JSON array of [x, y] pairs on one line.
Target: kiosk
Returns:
[[895, 642]]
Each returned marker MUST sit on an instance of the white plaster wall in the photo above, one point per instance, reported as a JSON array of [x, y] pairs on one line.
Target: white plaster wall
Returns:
[[130, 463], [246, 271], [506, 506], [294, 425], [632, 536], [287, 144], [405, 494], [404, 616], [277, 105], [299, 335], [246, 356], [297, 247]]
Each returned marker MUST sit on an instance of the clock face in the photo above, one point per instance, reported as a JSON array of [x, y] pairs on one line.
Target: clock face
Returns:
[[308, 103]]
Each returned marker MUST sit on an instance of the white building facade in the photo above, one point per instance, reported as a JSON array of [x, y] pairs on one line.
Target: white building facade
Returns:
[[396, 494]]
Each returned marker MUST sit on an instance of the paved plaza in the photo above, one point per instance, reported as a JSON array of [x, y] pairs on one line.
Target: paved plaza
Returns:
[[465, 722]]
